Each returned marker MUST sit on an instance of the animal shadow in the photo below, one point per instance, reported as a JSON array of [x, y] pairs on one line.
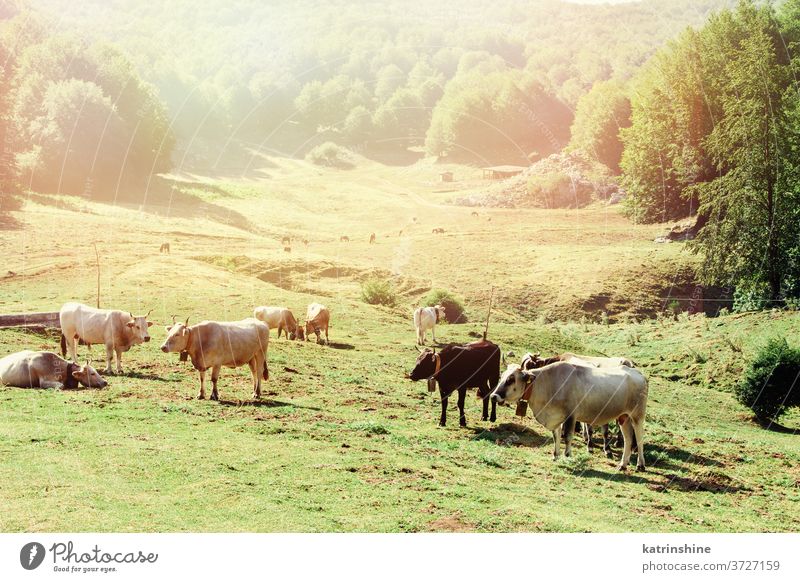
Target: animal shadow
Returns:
[[511, 434], [264, 403], [340, 346]]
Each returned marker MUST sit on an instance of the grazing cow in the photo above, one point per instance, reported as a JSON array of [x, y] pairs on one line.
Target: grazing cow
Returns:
[[286, 241], [279, 318], [438, 231], [532, 361], [213, 344], [30, 369], [475, 214], [400, 233], [318, 317], [305, 242], [459, 367], [117, 330], [287, 249], [344, 239], [426, 318], [372, 238], [561, 393], [164, 248]]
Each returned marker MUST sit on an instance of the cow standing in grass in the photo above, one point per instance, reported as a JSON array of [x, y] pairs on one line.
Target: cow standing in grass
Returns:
[[318, 319], [458, 368], [280, 318], [426, 318], [213, 344], [562, 393], [117, 330]]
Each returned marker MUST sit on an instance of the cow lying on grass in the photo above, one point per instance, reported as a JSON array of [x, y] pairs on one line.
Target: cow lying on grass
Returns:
[[29, 369], [117, 330], [459, 367], [561, 393], [213, 344]]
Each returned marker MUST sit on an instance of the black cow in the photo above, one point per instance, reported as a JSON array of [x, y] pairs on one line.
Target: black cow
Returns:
[[459, 367]]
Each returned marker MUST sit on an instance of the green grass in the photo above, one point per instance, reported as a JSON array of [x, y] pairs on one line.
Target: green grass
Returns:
[[341, 441]]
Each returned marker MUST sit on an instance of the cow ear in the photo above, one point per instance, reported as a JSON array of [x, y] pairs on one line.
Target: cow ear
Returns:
[[131, 323], [149, 324], [168, 327], [76, 374]]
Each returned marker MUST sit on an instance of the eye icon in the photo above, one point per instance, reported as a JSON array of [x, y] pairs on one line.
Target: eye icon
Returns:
[[31, 555]]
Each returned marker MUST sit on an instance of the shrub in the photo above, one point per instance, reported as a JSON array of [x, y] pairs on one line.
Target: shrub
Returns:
[[558, 190], [379, 292], [768, 387], [751, 297], [453, 305], [330, 154]]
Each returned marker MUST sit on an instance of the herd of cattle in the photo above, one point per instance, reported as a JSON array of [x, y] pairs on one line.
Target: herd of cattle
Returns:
[[562, 390]]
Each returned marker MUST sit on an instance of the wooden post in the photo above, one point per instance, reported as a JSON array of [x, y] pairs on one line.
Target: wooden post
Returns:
[[97, 262]]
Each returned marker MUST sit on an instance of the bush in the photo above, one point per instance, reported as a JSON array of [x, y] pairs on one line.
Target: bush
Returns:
[[379, 292], [751, 297], [332, 155], [559, 190], [453, 305], [769, 386]]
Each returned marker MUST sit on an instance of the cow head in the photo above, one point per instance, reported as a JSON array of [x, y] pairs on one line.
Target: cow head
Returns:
[[138, 328], [177, 337], [440, 313], [299, 333], [425, 366], [512, 384], [89, 377]]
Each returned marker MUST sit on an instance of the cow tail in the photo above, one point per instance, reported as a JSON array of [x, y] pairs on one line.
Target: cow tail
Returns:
[[63, 346], [266, 371]]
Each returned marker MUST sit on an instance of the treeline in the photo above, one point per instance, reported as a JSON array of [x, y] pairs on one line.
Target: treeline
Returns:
[[715, 130], [75, 117], [464, 78]]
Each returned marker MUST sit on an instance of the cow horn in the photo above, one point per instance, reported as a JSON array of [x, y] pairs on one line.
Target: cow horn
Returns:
[[187, 322], [146, 315], [173, 319], [419, 349]]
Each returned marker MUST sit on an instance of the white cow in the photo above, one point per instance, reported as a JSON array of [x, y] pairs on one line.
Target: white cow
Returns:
[[562, 393], [426, 318], [213, 344], [279, 318], [117, 330], [30, 369]]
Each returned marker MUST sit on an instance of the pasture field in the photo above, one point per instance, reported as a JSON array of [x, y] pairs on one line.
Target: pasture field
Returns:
[[341, 441]]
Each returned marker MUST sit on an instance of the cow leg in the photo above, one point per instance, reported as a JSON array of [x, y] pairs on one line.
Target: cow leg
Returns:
[[119, 361], [493, 417], [587, 436], [627, 434], [443, 418], [462, 396], [638, 431], [72, 346], [202, 394], [214, 377], [280, 327], [109, 359], [255, 368], [556, 439], [569, 426], [50, 384], [433, 333], [606, 441], [327, 339]]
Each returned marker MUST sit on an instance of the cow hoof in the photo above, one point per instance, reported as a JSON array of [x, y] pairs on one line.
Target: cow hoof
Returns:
[[201, 396], [214, 397], [256, 396], [622, 467], [609, 455], [493, 419], [641, 468]]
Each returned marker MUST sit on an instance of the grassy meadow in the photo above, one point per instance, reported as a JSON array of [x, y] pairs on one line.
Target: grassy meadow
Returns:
[[341, 441]]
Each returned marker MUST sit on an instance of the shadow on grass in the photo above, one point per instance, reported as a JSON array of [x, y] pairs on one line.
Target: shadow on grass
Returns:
[[669, 453], [140, 376], [341, 346], [629, 476], [265, 403], [511, 434]]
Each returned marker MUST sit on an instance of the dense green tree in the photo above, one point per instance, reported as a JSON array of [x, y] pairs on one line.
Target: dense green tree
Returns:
[[600, 116]]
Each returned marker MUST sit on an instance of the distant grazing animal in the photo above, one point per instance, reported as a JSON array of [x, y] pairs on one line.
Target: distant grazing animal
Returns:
[[561, 393], [475, 214], [286, 241], [400, 233], [532, 361], [459, 367], [30, 369], [164, 248], [413, 218], [213, 344], [305, 242], [438, 231], [287, 249], [344, 239], [279, 318], [426, 318], [489, 219], [117, 330], [372, 238], [318, 318]]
